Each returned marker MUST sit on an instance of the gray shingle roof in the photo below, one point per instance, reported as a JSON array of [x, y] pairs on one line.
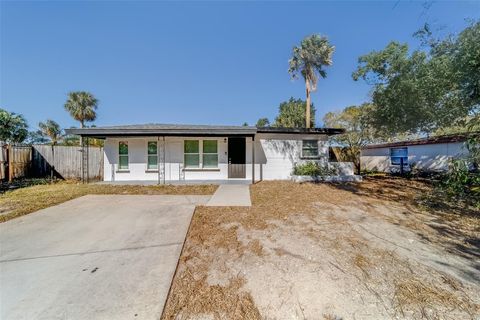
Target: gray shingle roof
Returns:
[[163, 126], [190, 130], [163, 129]]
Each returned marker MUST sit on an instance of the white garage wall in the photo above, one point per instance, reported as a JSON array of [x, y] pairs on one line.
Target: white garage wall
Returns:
[[428, 157], [275, 156]]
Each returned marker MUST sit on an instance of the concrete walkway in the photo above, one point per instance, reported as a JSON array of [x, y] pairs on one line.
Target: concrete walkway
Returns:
[[94, 257], [231, 196]]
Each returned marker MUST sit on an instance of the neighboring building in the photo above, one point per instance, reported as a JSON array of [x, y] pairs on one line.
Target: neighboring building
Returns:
[[163, 153], [426, 154]]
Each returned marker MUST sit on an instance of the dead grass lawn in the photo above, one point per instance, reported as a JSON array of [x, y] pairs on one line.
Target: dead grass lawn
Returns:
[[23, 201], [213, 245]]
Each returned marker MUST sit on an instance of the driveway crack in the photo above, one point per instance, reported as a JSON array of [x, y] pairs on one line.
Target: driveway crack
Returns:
[[92, 252]]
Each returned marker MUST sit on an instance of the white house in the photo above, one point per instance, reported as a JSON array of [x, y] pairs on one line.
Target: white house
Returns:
[[426, 154], [169, 153]]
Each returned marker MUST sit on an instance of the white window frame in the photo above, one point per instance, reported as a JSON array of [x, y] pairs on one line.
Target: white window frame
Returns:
[[310, 156], [200, 154], [202, 163], [123, 155], [152, 155]]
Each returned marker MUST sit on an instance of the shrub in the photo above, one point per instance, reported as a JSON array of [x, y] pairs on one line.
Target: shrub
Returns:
[[312, 168], [461, 183]]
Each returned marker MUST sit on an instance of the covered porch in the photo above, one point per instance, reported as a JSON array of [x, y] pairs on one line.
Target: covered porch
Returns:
[[173, 154]]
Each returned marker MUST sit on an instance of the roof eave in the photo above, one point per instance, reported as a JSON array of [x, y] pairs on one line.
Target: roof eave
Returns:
[[453, 138], [103, 133], [327, 131]]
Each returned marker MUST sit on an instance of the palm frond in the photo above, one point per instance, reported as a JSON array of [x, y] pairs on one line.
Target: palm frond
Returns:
[[309, 59], [82, 106]]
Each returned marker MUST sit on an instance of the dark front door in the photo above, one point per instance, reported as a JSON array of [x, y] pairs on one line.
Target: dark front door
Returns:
[[236, 157]]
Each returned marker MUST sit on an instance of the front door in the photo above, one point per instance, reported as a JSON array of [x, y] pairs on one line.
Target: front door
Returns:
[[236, 157]]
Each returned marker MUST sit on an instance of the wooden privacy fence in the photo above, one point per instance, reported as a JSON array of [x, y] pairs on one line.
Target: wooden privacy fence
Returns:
[[44, 160], [15, 161], [66, 161], [3, 161]]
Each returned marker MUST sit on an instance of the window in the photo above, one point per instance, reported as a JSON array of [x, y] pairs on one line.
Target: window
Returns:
[[152, 155], [309, 148], [210, 154], [397, 154], [191, 153], [206, 157], [123, 155]]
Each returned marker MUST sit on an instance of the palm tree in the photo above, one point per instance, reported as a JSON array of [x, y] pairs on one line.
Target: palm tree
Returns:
[[82, 105], [309, 60], [52, 130]]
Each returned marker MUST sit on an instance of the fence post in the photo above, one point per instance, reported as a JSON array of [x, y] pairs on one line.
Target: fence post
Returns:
[[52, 167], [3, 161], [30, 163], [85, 169], [10, 163]]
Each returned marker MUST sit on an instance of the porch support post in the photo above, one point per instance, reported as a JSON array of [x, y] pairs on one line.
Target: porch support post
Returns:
[[88, 157], [158, 161], [253, 159], [164, 158], [84, 147]]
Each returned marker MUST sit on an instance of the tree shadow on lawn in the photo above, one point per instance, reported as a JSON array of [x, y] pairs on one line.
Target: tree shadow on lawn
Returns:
[[22, 183], [455, 226]]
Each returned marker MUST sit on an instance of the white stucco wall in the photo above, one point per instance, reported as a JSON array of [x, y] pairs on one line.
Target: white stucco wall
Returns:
[[275, 156], [137, 151], [427, 157]]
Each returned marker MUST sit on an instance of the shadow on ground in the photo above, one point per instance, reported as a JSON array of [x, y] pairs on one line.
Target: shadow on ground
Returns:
[[455, 227]]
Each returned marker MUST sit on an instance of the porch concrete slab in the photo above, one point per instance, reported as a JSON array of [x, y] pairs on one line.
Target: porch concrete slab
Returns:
[[231, 196], [177, 182], [94, 257]]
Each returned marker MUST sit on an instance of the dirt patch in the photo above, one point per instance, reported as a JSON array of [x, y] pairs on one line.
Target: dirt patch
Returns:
[[29, 199], [307, 251]]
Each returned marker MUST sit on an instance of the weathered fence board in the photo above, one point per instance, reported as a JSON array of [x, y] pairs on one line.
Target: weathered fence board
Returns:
[[3, 161], [39, 160], [66, 161], [15, 161]]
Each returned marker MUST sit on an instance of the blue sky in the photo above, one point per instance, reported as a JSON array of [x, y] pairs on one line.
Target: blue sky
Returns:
[[194, 62]]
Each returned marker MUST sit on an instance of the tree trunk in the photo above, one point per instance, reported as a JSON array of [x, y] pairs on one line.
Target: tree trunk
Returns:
[[81, 138], [307, 109]]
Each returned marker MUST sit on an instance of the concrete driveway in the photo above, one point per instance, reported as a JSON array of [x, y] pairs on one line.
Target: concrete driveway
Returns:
[[95, 257]]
